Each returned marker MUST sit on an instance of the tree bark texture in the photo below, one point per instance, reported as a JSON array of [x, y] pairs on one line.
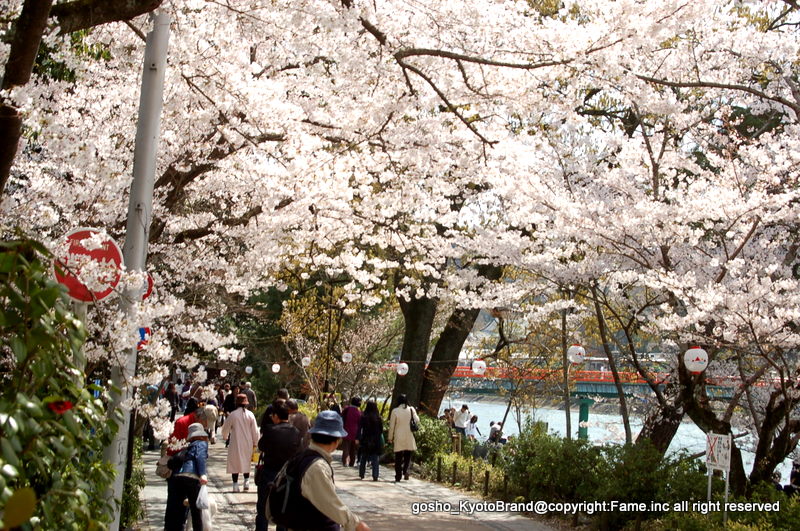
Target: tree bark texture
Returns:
[[418, 315], [25, 41], [83, 14], [444, 358]]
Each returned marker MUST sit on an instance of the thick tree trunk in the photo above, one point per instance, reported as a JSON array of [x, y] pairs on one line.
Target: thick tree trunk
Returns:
[[28, 32], [444, 359], [83, 14], [777, 437], [661, 424], [418, 315]]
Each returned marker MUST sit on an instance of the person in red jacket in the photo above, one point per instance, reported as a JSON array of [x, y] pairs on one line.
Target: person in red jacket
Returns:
[[177, 440]]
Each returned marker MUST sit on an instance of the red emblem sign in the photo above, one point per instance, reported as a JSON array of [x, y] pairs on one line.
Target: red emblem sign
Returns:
[[91, 268]]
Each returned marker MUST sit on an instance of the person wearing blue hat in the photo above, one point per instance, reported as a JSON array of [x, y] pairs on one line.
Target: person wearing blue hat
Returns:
[[318, 503]]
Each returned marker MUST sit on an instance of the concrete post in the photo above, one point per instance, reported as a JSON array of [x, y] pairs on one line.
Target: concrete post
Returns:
[[134, 251]]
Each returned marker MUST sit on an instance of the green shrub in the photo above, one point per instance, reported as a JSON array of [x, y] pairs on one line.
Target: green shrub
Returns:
[[131, 510], [433, 437], [545, 467], [52, 429]]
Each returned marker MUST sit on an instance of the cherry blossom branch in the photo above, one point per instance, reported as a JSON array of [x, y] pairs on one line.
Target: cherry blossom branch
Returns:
[[725, 86], [450, 107]]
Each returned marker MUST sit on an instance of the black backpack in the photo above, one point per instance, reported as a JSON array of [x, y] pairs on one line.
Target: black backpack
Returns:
[[176, 461], [287, 506]]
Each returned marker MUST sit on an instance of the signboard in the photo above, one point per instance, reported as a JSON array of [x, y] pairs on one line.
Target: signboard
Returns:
[[148, 289], [718, 451], [90, 270]]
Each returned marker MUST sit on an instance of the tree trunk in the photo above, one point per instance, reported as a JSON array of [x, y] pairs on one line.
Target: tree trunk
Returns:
[[27, 36], [444, 358], [565, 367], [418, 315], [661, 424], [773, 447], [623, 405]]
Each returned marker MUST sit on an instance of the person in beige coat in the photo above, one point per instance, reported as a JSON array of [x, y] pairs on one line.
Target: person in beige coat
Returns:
[[242, 429], [401, 437]]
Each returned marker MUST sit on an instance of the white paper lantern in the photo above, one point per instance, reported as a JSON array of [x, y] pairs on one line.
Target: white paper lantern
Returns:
[[576, 353], [696, 360], [402, 368], [478, 367], [178, 372], [248, 370], [201, 368], [347, 357], [306, 361], [276, 367], [223, 373]]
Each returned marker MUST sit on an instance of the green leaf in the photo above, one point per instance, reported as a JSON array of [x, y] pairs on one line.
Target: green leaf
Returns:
[[19, 349]]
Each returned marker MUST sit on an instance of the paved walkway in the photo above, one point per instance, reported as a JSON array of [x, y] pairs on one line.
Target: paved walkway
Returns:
[[384, 505]]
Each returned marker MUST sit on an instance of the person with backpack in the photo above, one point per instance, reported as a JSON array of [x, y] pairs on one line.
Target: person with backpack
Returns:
[[279, 442], [186, 481], [402, 437], [303, 495]]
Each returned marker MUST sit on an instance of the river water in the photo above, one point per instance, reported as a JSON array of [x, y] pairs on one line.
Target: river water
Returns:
[[603, 427]]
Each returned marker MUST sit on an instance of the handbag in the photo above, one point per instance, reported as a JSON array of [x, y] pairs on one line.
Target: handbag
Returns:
[[259, 469], [414, 426], [162, 469]]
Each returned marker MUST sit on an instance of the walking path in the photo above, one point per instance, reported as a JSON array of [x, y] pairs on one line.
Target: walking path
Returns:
[[384, 505]]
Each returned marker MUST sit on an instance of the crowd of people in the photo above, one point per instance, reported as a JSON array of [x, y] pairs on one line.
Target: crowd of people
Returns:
[[464, 425], [283, 439]]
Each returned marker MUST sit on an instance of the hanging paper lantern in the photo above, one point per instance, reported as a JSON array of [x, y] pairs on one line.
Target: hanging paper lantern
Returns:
[[347, 357], [306, 361], [696, 360], [223, 373], [178, 372], [478, 367], [201, 368], [276, 367], [402, 368], [248, 370], [576, 354]]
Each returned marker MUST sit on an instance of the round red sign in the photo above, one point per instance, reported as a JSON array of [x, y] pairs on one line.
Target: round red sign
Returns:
[[91, 268]]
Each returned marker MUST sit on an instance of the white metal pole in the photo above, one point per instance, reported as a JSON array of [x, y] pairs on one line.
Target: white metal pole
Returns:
[[134, 251]]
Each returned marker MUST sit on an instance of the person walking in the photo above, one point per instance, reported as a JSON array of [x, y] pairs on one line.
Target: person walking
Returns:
[[241, 431], [171, 394], [187, 481], [350, 417], [279, 442], [370, 440], [247, 388], [401, 436], [317, 503], [299, 420]]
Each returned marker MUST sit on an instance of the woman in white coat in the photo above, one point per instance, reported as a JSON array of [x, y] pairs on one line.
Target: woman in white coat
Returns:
[[401, 437], [242, 429]]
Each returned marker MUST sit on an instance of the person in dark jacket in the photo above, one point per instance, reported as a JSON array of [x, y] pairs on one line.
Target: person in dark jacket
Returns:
[[187, 481], [370, 440], [278, 443]]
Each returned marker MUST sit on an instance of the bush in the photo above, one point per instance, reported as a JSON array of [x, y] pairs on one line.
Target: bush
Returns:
[[546, 467], [432, 438], [52, 429], [131, 510]]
